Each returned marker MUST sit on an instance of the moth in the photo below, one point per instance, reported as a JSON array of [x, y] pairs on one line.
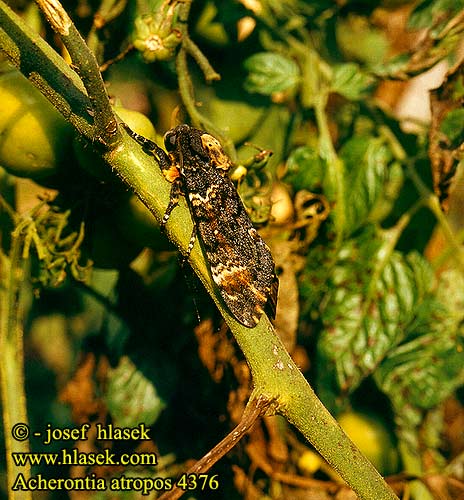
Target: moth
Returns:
[[240, 262]]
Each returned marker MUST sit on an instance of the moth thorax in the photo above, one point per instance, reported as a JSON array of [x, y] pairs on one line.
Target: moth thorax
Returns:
[[215, 152]]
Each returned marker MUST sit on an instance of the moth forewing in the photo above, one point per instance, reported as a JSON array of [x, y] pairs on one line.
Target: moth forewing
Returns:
[[239, 260]]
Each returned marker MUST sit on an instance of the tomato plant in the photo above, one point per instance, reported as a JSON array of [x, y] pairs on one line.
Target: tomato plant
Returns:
[[350, 185]]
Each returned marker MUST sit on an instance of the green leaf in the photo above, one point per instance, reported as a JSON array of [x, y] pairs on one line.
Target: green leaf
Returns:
[[424, 371], [349, 81], [391, 191], [366, 165], [359, 40], [428, 366], [370, 303], [132, 398], [453, 127], [305, 169], [427, 12], [270, 72], [394, 66]]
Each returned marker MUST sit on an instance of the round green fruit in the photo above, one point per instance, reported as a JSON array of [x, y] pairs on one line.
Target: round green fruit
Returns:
[[371, 436], [34, 137], [90, 161], [137, 121]]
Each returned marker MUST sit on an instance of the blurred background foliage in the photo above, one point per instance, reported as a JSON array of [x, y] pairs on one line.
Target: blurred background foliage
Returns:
[[361, 202]]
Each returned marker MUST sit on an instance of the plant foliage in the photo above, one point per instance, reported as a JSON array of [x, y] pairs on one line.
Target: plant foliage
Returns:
[[375, 320]]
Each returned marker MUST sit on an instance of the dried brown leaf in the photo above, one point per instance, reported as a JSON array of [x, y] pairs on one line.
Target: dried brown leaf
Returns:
[[444, 156]]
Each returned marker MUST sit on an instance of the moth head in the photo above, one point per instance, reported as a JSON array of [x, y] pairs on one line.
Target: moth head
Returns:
[[170, 141], [172, 137], [184, 140]]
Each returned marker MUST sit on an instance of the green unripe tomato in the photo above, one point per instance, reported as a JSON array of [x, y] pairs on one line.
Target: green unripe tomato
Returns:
[[89, 160], [34, 137], [372, 437], [310, 462], [137, 121]]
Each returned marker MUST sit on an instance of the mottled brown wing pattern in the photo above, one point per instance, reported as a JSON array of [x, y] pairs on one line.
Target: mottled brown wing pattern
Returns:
[[240, 262]]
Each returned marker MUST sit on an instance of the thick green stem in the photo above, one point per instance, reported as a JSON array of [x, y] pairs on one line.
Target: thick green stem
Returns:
[[46, 70], [12, 278], [85, 63]]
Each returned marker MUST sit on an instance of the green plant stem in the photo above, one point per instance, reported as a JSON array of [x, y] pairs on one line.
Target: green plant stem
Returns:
[[186, 92], [45, 69], [275, 375], [336, 169], [188, 99], [12, 277], [192, 48], [428, 198], [314, 93], [85, 63], [108, 10], [391, 237], [186, 87], [433, 204]]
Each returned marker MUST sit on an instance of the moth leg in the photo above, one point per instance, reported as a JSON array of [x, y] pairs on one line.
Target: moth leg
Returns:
[[176, 191], [152, 149], [170, 172], [193, 237], [271, 305]]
